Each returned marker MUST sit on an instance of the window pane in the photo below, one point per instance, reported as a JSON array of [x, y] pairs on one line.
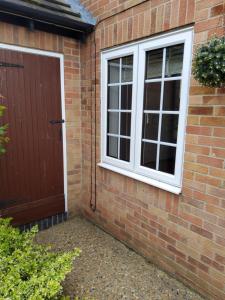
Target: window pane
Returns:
[[127, 68], [171, 97], [154, 60], [152, 96], [125, 124], [114, 70], [125, 149], [169, 128], [113, 122], [150, 126], [112, 146], [167, 157], [113, 97], [148, 155], [126, 96], [174, 60]]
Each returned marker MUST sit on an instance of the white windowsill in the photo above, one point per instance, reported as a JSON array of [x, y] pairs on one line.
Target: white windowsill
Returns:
[[150, 181]]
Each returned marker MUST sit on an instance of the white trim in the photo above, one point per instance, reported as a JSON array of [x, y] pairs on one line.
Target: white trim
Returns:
[[119, 110], [120, 83], [150, 181], [61, 58], [165, 112], [187, 64], [163, 79], [162, 42], [138, 49], [63, 107], [104, 83], [161, 143], [30, 50]]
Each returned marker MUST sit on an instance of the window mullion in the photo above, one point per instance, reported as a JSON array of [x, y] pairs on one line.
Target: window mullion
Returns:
[[161, 107]]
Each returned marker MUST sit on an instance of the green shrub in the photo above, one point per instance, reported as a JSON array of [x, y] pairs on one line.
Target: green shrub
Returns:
[[209, 63], [3, 129], [29, 271]]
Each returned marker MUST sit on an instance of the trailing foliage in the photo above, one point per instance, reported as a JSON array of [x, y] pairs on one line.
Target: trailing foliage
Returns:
[[29, 271], [3, 129], [209, 63]]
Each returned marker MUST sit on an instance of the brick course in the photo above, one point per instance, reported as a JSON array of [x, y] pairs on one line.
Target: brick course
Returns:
[[182, 234]]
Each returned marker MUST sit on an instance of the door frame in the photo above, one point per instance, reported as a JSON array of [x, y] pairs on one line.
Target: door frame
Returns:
[[63, 110]]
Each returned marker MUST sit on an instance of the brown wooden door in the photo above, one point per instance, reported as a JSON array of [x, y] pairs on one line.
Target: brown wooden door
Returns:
[[31, 172]]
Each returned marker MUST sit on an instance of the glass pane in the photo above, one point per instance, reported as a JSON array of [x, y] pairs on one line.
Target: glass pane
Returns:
[[125, 124], [113, 122], [114, 70], [126, 96], [127, 68], [174, 60], [113, 97], [171, 97], [169, 128], [148, 155], [167, 156], [112, 146], [125, 149], [154, 60], [152, 96], [150, 126]]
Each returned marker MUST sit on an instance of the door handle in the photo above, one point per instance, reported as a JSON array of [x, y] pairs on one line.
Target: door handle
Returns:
[[53, 122]]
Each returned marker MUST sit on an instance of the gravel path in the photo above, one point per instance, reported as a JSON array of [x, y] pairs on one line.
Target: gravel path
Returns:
[[108, 270]]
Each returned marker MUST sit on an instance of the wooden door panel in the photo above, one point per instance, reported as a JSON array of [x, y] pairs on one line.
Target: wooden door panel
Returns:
[[35, 210], [31, 172]]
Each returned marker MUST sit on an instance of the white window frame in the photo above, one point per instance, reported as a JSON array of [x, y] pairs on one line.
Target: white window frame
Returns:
[[130, 50], [172, 183]]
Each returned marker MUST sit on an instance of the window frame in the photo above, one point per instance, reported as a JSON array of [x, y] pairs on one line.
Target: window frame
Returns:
[[117, 53], [163, 42], [157, 178]]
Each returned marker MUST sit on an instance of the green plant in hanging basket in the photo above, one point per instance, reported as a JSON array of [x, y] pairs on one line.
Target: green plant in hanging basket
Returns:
[[209, 63]]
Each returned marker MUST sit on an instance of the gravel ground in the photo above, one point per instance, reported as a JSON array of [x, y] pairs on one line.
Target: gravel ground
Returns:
[[108, 270]]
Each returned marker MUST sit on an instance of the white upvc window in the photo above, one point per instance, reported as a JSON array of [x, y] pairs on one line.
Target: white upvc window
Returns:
[[144, 97]]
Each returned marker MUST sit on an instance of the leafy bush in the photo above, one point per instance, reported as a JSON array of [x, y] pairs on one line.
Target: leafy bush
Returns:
[[3, 129], [209, 63], [29, 271]]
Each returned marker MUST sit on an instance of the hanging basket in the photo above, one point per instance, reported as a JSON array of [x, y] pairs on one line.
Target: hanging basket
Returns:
[[209, 63]]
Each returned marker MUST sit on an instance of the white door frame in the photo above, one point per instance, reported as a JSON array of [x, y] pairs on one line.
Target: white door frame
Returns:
[[61, 58]]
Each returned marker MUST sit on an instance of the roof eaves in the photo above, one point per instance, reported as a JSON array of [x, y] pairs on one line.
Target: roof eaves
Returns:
[[36, 13], [85, 14]]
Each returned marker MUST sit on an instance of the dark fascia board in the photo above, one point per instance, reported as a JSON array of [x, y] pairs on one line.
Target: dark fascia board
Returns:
[[36, 25], [38, 15]]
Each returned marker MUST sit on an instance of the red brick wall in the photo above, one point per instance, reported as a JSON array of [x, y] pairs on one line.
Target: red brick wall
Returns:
[[183, 234], [21, 36]]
